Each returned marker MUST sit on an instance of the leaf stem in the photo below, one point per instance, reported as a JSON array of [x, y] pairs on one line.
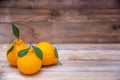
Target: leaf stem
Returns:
[[58, 62], [30, 44]]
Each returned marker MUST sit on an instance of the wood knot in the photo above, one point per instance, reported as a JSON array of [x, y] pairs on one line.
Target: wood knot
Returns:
[[54, 14], [116, 27]]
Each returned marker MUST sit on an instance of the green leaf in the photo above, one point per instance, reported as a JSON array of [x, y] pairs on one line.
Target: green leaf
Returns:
[[11, 48], [56, 53], [16, 31], [23, 52], [38, 52]]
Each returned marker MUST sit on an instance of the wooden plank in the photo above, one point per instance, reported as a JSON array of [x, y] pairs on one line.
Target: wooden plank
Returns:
[[62, 15], [64, 76], [70, 63], [96, 46], [74, 15], [99, 23], [80, 63], [87, 39], [76, 71], [31, 35], [23, 15], [89, 54], [84, 32], [81, 46], [18, 11], [86, 46], [69, 66], [23, 18], [67, 17], [62, 32], [60, 4], [86, 55], [36, 11], [9, 69], [83, 54]]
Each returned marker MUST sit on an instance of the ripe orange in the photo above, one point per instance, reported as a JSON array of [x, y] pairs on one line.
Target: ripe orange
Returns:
[[49, 55], [29, 61], [12, 51]]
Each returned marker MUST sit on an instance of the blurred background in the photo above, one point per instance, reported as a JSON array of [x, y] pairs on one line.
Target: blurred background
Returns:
[[61, 21]]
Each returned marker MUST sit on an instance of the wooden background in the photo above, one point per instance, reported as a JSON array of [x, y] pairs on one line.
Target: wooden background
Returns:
[[61, 21]]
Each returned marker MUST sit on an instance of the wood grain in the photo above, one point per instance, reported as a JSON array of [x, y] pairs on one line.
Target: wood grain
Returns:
[[67, 76], [55, 32], [78, 63], [60, 4], [72, 15], [61, 21]]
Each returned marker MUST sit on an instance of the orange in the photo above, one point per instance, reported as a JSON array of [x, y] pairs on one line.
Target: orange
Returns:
[[13, 50], [28, 62], [48, 51]]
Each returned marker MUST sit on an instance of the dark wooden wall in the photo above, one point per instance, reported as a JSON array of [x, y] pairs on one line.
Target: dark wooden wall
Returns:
[[61, 21]]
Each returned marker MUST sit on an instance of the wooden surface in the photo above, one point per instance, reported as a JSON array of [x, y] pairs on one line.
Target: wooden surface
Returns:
[[80, 62], [61, 21]]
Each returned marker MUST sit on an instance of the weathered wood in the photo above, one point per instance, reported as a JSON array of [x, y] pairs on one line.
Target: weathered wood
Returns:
[[87, 55], [60, 32], [74, 15], [61, 21], [70, 63], [43, 11], [76, 64], [78, 46], [95, 54], [86, 46], [71, 66], [57, 4], [64, 76]]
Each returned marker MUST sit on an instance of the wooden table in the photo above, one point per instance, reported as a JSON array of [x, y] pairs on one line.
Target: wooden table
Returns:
[[79, 62]]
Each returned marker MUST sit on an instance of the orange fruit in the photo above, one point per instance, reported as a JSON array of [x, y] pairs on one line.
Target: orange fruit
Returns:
[[13, 50], [15, 47], [49, 53], [29, 61]]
